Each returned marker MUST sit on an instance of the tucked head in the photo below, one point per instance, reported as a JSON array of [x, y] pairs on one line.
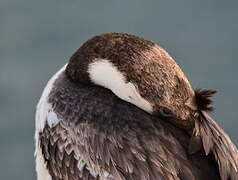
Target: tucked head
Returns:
[[136, 70]]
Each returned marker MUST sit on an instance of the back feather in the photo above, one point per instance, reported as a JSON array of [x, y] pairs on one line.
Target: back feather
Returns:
[[213, 138]]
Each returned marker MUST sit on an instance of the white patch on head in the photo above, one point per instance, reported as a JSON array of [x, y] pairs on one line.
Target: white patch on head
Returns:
[[102, 72], [44, 111], [42, 172]]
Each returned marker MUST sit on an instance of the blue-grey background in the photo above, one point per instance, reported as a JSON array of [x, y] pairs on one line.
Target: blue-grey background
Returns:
[[37, 37]]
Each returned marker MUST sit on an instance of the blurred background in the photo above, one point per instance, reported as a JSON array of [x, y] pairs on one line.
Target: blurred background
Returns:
[[38, 37]]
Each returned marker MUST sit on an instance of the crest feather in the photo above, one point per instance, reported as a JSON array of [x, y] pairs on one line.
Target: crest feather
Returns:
[[203, 101]]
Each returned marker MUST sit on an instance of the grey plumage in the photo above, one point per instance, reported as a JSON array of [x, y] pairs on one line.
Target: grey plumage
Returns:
[[114, 136]]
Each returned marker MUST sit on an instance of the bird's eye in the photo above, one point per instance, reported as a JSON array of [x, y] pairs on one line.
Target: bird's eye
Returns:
[[165, 112]]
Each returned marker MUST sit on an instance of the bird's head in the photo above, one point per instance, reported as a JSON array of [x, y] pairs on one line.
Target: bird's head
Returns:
[[139, 72]]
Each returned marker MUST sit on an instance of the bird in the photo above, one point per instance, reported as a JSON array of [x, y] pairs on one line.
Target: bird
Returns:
[[122, 109]]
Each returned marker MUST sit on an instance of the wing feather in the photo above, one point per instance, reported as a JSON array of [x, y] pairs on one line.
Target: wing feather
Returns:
[[99, 136], [218, 143]]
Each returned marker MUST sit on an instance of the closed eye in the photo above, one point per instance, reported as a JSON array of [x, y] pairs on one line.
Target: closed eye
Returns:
[[165, 112]]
